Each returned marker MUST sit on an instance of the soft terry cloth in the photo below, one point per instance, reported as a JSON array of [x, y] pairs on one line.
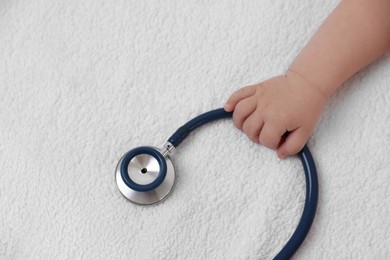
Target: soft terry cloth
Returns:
[[82, 82]]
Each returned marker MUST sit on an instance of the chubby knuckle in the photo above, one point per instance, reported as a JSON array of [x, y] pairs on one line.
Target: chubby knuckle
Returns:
[[253, 139], [236, 120], [274, 144], [269, 141], [237, 115], [252, 133], [248, 127], [239, 107], [262, 139], [270, 144], [295, 147]]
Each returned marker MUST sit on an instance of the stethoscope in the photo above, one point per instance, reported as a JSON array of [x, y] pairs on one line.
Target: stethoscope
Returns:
[[145, 175]]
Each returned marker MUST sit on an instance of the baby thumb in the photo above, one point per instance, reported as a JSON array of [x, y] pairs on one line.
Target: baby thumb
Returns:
[[294, 143]]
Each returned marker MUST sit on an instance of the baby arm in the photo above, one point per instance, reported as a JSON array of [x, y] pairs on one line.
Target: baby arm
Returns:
[[356, 33]]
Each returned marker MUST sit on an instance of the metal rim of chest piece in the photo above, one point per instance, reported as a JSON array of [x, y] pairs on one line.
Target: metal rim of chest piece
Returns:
[[145, 176]]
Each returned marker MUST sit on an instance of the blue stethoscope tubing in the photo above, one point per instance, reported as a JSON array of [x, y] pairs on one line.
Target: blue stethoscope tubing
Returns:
[[311, 200]]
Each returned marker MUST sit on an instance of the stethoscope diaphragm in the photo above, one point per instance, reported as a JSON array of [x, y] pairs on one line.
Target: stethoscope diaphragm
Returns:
[[145, 176]]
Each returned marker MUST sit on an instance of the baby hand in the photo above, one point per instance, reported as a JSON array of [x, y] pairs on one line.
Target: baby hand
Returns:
[[280, 105]]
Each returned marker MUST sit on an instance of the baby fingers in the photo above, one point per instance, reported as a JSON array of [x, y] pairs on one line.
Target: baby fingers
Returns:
[[294, 143], [238, 96], [243, 110], [253, 125], [271, 134]]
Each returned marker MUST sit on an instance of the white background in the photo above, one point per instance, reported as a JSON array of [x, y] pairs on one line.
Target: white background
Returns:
[[82, 82]]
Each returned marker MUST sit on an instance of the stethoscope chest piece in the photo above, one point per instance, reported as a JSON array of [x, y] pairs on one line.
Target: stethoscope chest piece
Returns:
[[145, 176]]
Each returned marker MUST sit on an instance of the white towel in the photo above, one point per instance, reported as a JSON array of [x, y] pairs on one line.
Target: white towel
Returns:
[[82, 82]]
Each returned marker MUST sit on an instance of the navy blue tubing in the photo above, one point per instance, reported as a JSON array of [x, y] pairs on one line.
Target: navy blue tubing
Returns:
[[194, 123], [311, 201]]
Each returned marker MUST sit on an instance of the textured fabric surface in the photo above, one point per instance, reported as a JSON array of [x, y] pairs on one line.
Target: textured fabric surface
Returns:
[[82, 82]]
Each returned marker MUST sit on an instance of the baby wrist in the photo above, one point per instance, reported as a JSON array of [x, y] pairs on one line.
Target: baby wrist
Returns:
[[296, 76]]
